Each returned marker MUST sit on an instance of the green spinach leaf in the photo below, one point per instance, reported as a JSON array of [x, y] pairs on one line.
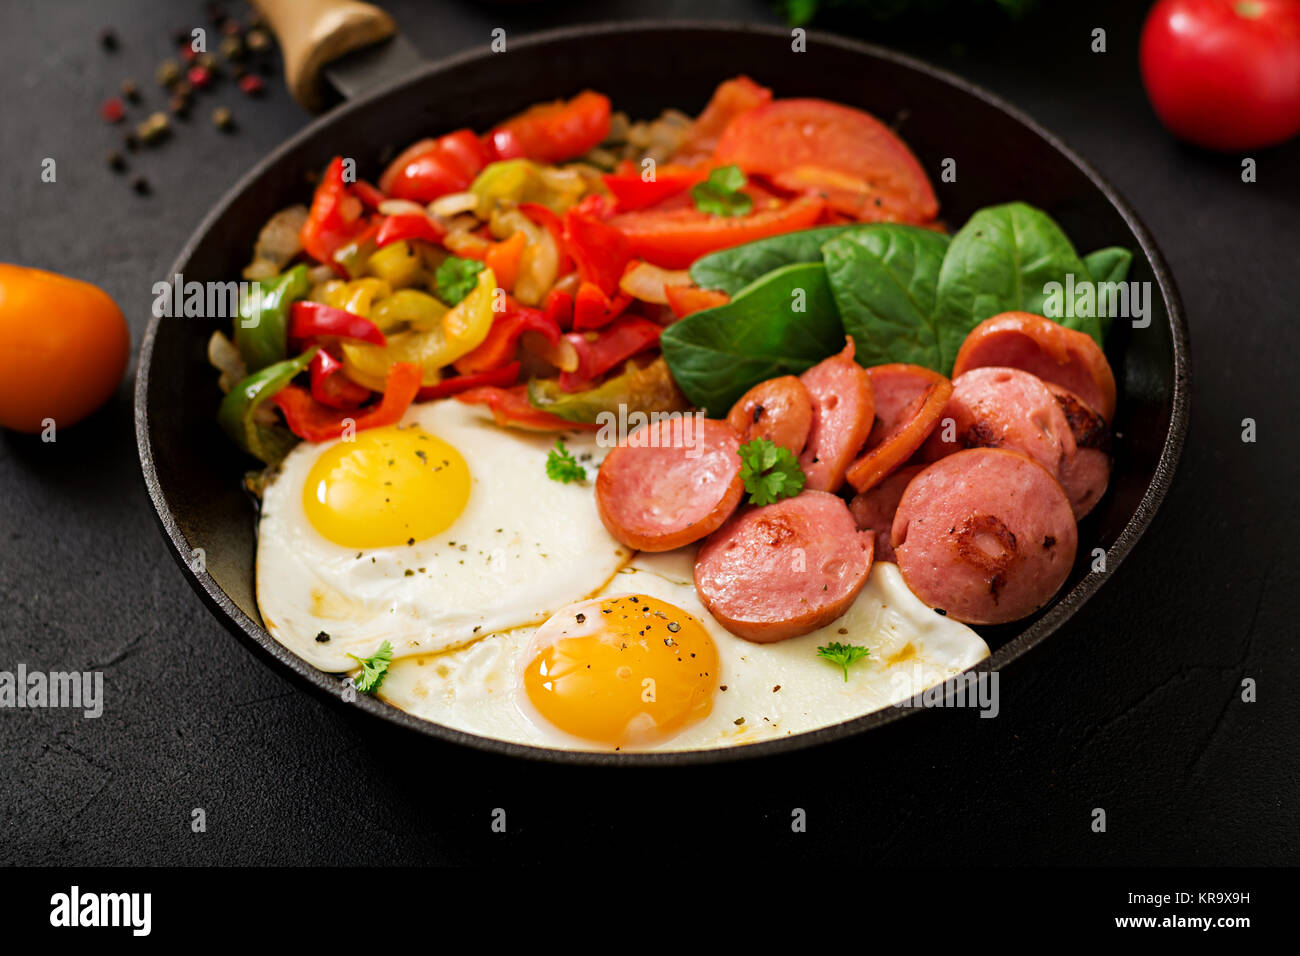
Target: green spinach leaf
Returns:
[[885, 280], [1001, 260], [732, 269], [779, 325]]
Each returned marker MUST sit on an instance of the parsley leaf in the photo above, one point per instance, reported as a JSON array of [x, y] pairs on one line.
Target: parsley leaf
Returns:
[[721, 194], [455, 278], [562, 466], [843, 654], [373, 668], [770, 471]]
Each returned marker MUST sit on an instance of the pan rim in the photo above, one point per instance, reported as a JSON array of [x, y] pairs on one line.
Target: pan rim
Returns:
[[253, 635]]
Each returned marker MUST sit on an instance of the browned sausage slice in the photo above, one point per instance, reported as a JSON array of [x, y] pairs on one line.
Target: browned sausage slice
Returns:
[[1085, 475], [874, 509], [911, 398], [1049, 350], [784, 569], [670, 483], [843, 409], [986, 535], [778, 410], [1003, 408]]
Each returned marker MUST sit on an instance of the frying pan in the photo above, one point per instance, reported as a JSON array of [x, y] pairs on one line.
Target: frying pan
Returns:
[[193, 474]]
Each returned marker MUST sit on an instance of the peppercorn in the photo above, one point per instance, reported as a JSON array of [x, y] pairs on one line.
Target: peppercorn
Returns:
[[116, 162], [108, 39], [223, 118], [258, 40], [131, 142], [230, 27], [131, 91], [154, 129], [253, 85], [140, 185], [200, 77], [112, 110], [169, 72], [232, 48], [207, 61], [179, 105]]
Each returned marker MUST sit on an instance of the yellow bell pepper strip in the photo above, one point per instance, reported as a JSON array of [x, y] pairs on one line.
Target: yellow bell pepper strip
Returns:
[[638, 389], [461, 330], [310, 420], [236, 414], [417, 309], [261, 331]]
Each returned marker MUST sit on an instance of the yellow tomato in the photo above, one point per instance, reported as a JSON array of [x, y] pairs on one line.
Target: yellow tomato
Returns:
[[63, 348]]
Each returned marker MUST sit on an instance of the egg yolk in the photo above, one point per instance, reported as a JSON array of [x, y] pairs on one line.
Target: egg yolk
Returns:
[[628, 670], [387, 487]]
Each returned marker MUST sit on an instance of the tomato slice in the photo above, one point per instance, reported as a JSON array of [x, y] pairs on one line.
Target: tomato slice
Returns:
[[674, 238], [435, 167], [553, 132], [821, 148]]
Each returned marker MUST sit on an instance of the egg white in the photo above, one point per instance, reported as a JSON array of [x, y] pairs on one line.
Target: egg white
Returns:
[[772, 690], [524, 546]]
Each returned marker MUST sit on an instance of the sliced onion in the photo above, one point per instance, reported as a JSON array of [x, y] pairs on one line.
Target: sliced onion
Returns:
[[223, 356], [400, 207], [646, 282], [562, 355], [453, 204]]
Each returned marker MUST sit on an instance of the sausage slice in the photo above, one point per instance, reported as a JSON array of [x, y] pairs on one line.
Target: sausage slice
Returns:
[[1085, 475], [784, 569], [1049, 350], [778, 410], [874, 509], [910, 400], [843, 409], [670, 483], [986, 535]]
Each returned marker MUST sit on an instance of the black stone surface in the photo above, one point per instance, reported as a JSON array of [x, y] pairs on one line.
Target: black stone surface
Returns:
[[1135, 707]]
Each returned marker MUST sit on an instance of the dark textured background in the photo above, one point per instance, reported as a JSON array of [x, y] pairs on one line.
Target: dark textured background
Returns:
[[1134, 707]]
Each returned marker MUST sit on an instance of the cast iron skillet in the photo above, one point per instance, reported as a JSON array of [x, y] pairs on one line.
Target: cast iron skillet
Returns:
[[193, 473]]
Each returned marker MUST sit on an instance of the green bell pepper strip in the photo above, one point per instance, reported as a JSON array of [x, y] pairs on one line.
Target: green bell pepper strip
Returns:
[[648, 389], [266, 442], [261, 331]]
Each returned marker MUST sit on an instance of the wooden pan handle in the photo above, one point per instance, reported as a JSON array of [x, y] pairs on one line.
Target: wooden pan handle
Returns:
[[314, 32]]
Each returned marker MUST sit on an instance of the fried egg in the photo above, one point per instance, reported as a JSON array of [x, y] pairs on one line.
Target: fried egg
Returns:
[[643, 666], [428, 534]]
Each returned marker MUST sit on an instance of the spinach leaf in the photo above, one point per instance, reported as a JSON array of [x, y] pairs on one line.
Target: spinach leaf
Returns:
[[732, 269], [885, 280], [718, 354], [1108, 265], [1000, 261]]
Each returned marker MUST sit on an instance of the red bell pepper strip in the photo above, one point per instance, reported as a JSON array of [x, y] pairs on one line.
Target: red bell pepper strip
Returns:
[[510, 407], [312, 421], [553, 132], [600, 252], [685, 299], [435, 167], [598, 353], [370, 196], [309, 320], [558, 307], [499, 346], [593, 309], [502, 377], [633, 192], [397, 228], [552, 223], [596, 206], [335, 217], [330, 386]]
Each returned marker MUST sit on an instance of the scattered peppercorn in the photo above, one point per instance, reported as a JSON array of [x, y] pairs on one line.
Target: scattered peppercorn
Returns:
[[108, 39], [230, 27], [112, 110], [131, 91], [154, 129], [222, 118], [116, 162], [140, 185], [200, 77], [252, 84], [188, 53], [232, 48], [258, 40], [169, 71], [322, 638], [179, 105]]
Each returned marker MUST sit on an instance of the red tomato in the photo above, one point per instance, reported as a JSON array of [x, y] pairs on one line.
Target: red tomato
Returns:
[[1224, 74], [435, 167], [822, 148], [674, 238], [553, 132]]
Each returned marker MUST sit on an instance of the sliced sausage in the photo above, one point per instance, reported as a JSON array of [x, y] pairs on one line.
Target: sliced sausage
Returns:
[[778, 410], [670, 483], [911, 398], [1086, 475], [1049, 350], [874, 509], [1003, 408], [783, 569], [986, 535], [843, 409]]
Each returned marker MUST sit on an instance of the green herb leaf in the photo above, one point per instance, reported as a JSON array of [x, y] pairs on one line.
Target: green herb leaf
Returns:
[[782, 324], [1002, 260], [885, 279], [721, 194], [845, 655], [770, 471], [373, 668], [456, 278], [562, 466], [732, 269]]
